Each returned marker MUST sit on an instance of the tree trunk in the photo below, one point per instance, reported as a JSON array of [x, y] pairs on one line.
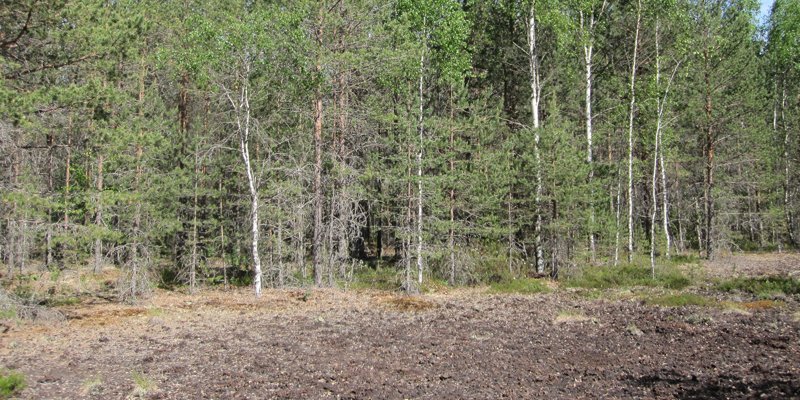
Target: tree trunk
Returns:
[[588, 49], [67, 166], [98, 216], [787, 188], [421, 130], [317, 244], [452, 195], [618, 212], [630, 132], [536, 90], [193, 266], [709, 160], [222, 237], [243, 124], [48, 259]]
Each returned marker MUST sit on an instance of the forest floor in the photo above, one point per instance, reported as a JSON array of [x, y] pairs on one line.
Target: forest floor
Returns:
[[460, 343]]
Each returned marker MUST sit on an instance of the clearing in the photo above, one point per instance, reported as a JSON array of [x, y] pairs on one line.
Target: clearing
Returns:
[[461, 343]]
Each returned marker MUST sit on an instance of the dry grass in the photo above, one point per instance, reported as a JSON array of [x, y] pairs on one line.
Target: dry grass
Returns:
[[762, 305], [571, 316], [409, 303]]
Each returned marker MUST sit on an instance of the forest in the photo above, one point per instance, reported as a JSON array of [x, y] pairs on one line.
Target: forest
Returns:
[[399, 199], [284, 143]]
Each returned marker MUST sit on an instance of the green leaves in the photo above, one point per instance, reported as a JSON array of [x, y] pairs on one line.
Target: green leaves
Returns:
[[783, 44], [440, 26]]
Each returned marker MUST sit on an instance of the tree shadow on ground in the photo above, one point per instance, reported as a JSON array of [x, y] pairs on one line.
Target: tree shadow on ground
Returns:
[[690, 387]]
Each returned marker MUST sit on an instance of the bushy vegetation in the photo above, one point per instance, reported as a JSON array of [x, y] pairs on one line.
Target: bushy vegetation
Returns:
[[763, 287], [11, 383], [628, 276]]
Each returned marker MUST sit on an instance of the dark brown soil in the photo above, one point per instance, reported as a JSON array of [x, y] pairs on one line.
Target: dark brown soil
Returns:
[[465, 344]]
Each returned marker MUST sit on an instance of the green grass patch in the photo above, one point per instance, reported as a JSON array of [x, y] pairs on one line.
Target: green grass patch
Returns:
[[680, 300], [521, 285], [763, 287], [668, 277], [11, 383]]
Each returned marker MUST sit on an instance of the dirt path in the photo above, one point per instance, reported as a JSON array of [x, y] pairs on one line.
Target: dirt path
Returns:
[[465, 344]]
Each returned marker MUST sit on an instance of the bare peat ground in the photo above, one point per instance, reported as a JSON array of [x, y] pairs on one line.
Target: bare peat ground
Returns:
[[462, 344]]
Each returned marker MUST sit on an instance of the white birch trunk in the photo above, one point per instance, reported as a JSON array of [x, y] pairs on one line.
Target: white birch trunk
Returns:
[[787, 189], [618, 210], [656, 150], [421, 130], [665, 197], [588, 49], [630, 131], [243, 123], [536, 90]]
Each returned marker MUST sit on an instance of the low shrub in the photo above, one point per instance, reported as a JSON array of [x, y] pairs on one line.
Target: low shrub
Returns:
[[628, 276], [11, 383]]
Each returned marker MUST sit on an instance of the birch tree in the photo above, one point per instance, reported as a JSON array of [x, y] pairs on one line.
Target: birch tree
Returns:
[[536, 93], [589, 15], [631, 111]]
